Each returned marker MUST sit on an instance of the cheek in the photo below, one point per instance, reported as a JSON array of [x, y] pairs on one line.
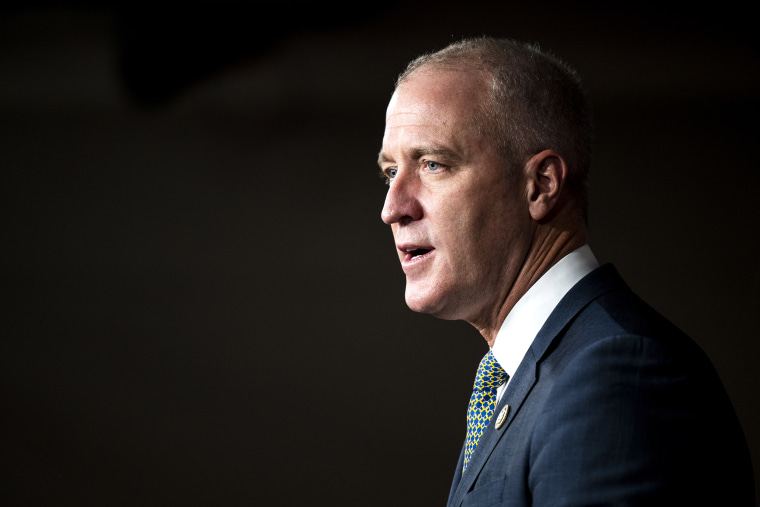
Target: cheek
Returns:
[[494, 231], [457, 222]]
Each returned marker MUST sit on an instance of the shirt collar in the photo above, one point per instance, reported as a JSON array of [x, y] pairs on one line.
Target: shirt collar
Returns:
[[528, 316]]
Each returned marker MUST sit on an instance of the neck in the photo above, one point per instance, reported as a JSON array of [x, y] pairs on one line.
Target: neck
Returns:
[[547, 248]]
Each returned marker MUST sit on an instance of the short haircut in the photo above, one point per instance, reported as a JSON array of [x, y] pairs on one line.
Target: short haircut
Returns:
[[536, 102]]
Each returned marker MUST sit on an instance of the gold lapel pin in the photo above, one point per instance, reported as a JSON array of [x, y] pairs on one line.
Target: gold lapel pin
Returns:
[[502, 417]]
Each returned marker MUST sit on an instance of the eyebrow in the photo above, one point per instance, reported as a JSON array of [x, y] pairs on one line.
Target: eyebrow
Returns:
[[450, 155], [382, 158]]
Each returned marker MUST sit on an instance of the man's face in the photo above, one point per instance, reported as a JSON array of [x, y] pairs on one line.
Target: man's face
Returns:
[[461, 227]]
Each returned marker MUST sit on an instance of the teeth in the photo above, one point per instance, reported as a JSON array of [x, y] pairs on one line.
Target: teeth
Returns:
[[416, 252]]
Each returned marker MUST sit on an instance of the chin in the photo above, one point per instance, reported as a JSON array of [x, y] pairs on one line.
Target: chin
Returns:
[[430, 302]]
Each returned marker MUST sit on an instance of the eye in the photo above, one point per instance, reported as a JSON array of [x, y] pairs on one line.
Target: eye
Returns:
[[432, 166], [389, 174]]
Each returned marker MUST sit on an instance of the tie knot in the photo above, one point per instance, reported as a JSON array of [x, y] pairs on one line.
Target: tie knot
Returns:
[[490, 373]]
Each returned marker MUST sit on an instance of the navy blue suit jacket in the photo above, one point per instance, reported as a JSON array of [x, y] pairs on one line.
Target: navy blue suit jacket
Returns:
[[612, 405]]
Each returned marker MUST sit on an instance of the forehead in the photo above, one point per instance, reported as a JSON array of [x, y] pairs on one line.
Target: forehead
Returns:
[[438, 90], [435, 106]]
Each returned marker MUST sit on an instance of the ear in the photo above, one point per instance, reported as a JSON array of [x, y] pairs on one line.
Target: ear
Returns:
[[546, 174]]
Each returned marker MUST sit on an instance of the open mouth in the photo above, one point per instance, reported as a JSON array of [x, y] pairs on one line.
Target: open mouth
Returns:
[[415, 253]]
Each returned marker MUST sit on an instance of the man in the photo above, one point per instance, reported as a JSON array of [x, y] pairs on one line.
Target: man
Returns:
[[587, 396]]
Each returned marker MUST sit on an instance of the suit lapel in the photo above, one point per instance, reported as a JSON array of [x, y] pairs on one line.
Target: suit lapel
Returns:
[[457, 476], [598, 282], [517, 390]]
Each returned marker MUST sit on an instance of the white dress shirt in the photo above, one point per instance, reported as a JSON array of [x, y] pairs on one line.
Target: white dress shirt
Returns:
[[528, 316]]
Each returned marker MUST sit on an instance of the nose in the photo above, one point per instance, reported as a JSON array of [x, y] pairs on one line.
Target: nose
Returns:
[[402, 203]]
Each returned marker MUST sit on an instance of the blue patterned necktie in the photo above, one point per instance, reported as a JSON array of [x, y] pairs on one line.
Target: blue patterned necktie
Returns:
[[483, 402]]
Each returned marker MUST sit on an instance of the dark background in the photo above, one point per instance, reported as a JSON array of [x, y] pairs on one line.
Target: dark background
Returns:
[[202, 306]]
